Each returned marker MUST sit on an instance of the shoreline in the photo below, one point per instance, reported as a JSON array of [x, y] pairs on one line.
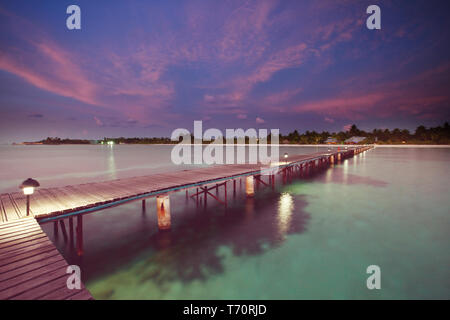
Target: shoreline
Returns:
[[239, 145]]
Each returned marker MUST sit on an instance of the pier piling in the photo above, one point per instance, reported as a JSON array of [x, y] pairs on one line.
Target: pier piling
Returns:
[[163, 211]]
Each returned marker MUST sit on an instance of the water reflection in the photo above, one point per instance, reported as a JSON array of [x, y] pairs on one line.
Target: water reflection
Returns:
[[112, 170], [285, 208], [192, 249]]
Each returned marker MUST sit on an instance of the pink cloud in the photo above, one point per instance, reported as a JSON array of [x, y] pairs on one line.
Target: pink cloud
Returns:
[[50, 69], [260, 120], [241, 116], [98, 122], [329, 120], [350, 106], [347, 127], [281, 97]]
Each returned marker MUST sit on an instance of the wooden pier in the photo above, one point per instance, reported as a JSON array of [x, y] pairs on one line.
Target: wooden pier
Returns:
[[27, 253], [30, 266]]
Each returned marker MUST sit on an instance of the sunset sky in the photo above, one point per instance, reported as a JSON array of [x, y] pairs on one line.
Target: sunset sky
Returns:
[[145, 68]]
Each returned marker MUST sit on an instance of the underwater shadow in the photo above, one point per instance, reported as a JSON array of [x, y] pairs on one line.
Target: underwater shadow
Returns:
[[192, 250]]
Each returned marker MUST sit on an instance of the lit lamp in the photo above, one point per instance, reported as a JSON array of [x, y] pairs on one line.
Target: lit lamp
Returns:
[[28, 189], [285, 156]]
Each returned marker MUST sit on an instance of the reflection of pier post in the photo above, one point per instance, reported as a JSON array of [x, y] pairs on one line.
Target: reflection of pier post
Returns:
[[63, 229], [79, 230], [163, 211], [249, 186], [71, 231]]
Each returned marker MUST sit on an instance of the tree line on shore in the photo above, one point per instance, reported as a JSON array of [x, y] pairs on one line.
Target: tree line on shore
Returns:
[[422, 135]]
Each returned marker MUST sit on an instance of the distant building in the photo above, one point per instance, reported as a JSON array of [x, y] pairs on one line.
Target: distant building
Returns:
[[354, 140], [331, 140]]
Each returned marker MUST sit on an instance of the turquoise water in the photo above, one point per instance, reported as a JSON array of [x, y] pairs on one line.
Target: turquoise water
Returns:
[[312, 238]]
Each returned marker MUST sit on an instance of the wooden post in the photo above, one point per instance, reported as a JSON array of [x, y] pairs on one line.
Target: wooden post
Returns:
[[234, 188], [143, 204], [163, 211], [249, 186], [28, 204], [71, 229], [196, 192], [226, 198], [55, 229], [79, 235], [63, 229]]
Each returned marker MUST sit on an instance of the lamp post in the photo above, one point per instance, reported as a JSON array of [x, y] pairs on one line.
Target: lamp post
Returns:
[[28, 189]]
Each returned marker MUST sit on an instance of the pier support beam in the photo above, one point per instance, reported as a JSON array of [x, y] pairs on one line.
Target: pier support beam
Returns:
[[143, 205], [163, 211], [63, 229], [249, 186], [55, 229]]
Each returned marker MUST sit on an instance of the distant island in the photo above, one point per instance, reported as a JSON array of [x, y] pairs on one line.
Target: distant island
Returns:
[[422, 135]]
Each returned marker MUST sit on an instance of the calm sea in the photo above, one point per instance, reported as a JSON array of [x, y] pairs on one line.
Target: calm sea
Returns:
[[310, 238]]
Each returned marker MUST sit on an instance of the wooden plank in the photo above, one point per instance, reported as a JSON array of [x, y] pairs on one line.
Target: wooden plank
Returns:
[[23, 245], [25, 261], [30, 267], [20, 202], [50, 289], [51, 200], [34, 280], [62, 293], [9, 209], [20, 257], [7, 242], [18, 230], [18, 222]]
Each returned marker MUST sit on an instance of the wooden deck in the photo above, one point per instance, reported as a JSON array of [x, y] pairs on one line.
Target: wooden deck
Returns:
[[50, 202], [30, 266]]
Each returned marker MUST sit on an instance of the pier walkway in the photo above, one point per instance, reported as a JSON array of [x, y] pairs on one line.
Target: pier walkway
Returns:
[[69, 200], [32, 268]]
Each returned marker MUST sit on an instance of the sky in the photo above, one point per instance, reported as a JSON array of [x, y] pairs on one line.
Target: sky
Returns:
[[145, 68]]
